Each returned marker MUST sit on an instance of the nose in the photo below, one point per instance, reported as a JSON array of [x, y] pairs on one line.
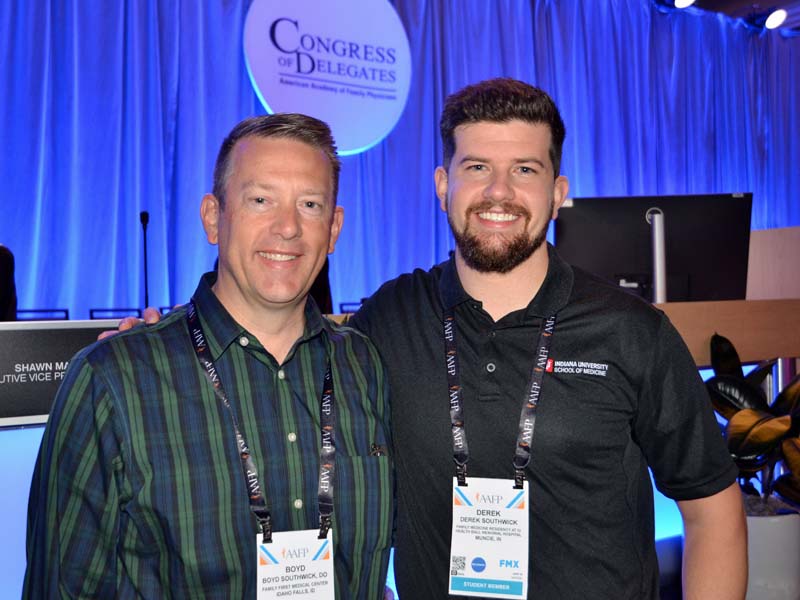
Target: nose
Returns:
[[499, 188], [287, 222]]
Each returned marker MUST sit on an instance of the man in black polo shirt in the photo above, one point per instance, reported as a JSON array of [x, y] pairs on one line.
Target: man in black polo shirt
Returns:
[[617, 390]]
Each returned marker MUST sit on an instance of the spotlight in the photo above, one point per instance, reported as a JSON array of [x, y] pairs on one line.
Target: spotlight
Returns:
[[775, 19], [667, 5], [770, 19]]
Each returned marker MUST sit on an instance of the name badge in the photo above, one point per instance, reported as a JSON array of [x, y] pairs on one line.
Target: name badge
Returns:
[[489, 541], [296, 565]]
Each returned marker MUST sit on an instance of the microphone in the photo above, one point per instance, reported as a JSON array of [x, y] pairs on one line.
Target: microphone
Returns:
[[144, 219]]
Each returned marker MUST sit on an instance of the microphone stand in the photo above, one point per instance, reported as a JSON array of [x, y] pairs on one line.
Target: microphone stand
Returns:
[[655, 216], [144, 218]]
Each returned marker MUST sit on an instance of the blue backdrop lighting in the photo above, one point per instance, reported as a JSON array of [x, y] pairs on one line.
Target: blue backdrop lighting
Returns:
[[114, 111]]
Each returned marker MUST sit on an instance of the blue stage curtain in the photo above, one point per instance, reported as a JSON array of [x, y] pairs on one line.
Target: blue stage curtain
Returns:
[[111, 108]]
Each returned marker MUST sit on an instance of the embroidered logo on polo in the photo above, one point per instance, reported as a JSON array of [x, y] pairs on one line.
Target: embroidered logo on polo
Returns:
[[577, 367]]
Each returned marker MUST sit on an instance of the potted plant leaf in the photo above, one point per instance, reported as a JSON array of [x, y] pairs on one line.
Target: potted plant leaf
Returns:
[[762, 437]]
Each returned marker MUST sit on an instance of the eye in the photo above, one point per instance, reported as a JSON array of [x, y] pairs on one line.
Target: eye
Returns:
[[527, 170], [476, 167], [311, 207], [259, 204]]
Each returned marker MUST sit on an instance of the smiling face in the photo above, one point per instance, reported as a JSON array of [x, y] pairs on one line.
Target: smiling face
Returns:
[[500, 193], [277, 226]]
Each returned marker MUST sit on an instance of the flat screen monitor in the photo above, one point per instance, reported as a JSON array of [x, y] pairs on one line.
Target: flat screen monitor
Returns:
[[707, 239]]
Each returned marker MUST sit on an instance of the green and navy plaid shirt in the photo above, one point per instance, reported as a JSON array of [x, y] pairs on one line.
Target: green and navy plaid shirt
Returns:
[[138, 490]]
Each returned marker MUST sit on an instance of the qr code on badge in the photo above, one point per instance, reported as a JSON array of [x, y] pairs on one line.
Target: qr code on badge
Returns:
[[459, 564]]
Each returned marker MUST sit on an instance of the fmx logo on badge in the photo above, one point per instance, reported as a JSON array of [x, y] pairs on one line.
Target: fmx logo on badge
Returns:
[[509, 564], [478, 564]]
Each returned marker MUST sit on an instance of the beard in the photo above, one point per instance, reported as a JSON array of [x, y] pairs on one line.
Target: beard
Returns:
[[486, 256]]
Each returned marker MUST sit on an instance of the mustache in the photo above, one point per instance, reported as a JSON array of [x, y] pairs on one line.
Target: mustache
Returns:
[[506, 206]]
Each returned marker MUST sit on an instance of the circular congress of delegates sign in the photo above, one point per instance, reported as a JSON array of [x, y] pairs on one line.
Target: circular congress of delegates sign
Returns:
[[346, 62]]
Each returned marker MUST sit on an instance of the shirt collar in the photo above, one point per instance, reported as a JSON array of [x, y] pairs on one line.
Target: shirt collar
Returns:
[[221, 329], [551, 297], [451, 291]]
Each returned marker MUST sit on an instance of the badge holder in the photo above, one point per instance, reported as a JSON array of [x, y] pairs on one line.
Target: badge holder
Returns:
[[489, 539], [297, 564]]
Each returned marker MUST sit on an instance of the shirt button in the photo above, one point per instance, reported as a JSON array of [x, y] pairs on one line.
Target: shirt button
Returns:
[[298, 504], [491, 367], [292, 437], [492, 334], [281, 374], [243, 341]]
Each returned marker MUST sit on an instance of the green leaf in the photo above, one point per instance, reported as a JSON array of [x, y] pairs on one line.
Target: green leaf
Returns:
[[757, 376], [787, 401], [755, 432], [788, 487], [750, 466], [724, 358], [731, 394], [791, 455], [721, 403], [749, 489]]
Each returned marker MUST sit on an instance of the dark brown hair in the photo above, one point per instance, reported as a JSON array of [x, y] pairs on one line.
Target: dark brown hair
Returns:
[[499, 101]]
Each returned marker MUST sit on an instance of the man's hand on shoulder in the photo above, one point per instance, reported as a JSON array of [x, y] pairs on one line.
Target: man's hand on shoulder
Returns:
[[151, 316]]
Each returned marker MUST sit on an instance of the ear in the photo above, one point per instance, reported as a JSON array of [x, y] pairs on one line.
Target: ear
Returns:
[[209, 214], [440, 179], [336, 227], [560, 193]]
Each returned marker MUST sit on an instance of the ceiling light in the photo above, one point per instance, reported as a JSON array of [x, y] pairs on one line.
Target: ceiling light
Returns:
[[775, 19], [683, 3]]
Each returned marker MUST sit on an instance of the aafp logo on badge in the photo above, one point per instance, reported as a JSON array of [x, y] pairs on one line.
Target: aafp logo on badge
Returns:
[[488, 498]]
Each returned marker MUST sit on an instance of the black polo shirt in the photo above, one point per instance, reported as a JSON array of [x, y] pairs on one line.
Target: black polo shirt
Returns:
[[622, 393]]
